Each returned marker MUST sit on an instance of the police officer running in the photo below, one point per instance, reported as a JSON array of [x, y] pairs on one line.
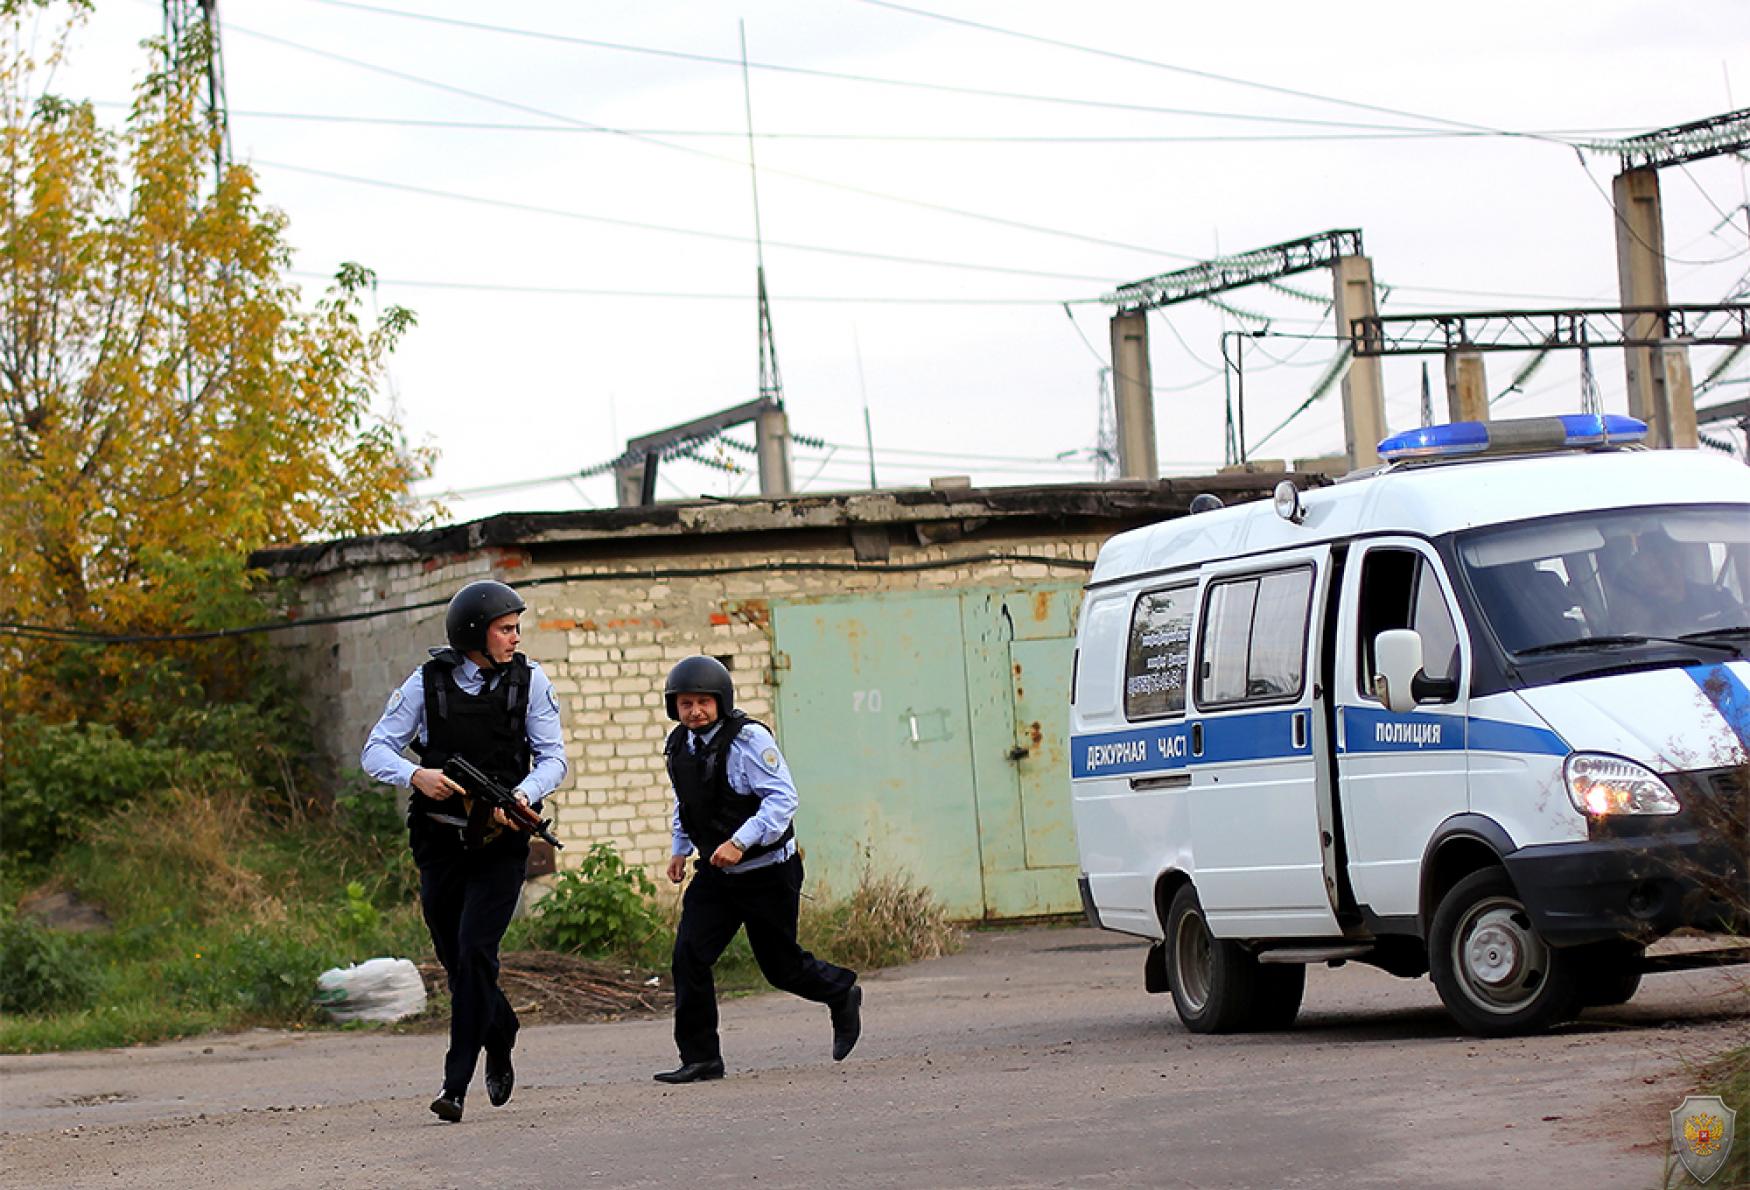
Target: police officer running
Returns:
[[734, 802], [482, 700]]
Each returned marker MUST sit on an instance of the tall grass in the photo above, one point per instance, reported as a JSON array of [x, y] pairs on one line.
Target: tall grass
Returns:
[[886, 921], [223, 917]]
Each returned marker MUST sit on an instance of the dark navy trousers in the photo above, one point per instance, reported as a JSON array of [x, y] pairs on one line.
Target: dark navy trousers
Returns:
[[767, 901], [469, 895]]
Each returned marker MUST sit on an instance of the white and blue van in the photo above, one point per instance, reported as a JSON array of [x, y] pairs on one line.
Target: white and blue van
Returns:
[[1481, 712]]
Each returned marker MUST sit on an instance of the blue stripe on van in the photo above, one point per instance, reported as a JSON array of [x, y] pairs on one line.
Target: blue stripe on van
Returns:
[[1259, 735], [1375, 729], [1729, 695], [1269, 735]]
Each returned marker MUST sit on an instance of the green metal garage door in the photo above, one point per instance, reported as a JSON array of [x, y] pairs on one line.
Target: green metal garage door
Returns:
[[928, 734]]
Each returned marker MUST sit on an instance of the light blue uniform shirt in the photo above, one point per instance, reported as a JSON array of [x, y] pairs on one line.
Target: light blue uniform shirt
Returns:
[[403, 722], [755, 766]]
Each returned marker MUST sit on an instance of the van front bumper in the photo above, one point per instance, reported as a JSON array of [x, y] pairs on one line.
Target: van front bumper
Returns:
[[1627, 887]]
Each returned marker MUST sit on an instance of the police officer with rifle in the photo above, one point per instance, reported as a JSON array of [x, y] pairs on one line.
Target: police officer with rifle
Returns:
[[481, 711]]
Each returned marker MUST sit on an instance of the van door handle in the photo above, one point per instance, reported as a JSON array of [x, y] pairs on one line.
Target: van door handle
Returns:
[[1172, 781], [1300, 729]]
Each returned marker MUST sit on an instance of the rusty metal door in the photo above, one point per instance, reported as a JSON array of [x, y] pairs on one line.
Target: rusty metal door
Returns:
[[1020, 646], [873, 713]]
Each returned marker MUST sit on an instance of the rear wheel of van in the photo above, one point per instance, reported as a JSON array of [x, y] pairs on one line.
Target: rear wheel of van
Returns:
[[1214, 982], [1495, 974], [1280, 989]]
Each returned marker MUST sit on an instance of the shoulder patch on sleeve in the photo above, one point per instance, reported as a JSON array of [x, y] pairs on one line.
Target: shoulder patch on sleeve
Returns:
[[395, 700], [770, 759], [552, 701]]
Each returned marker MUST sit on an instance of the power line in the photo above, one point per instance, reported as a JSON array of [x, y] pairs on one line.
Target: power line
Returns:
[[1196, 73], [679, 295], [641, 138], [641, 225], [842, 76], [1025, 139]]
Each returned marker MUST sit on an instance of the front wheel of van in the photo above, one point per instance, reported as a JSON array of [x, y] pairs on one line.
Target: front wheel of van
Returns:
[[1495, 974], [1610, 973], [1214, 981]]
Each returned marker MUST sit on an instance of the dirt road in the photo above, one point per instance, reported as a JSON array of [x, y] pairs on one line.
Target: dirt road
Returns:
[[1034, 1058]]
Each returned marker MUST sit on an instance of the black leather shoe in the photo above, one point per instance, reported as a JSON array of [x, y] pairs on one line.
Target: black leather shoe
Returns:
[[500, 1078], [847, 1023], [447, 1107], [692, 1072]]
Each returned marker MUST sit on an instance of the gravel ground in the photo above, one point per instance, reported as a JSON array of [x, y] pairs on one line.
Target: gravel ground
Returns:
[[1033, 1058]]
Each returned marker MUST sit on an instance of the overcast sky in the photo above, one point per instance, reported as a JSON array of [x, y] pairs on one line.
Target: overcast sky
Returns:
[[573, 223]]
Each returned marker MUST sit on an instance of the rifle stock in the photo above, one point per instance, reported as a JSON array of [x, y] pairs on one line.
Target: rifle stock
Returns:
[[480, 785]]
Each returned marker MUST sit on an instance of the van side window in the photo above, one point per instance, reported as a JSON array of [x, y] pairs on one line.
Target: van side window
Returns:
[[1399, 589], [1156, 661], [1254, 638]]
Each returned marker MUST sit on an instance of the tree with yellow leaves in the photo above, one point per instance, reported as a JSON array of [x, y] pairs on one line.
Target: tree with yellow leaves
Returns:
[[168, 401]]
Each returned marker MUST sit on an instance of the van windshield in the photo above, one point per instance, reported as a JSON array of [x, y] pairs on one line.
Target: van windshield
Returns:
[[1614, 578]]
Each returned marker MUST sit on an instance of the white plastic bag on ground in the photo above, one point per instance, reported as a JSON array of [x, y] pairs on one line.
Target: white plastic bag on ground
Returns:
[[374, 990]]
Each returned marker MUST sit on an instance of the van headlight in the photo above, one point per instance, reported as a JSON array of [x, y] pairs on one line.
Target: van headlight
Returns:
[[1603, 786]]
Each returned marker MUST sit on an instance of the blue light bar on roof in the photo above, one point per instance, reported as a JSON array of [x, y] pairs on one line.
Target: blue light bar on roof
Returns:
[[1569, 431]]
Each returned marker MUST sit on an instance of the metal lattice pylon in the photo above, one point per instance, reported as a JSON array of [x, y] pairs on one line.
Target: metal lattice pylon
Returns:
[[1589, 398]]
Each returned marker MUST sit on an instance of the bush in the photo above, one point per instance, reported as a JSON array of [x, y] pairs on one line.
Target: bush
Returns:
[[56, 771], [263, 974], [368, 811], [601, 907], [41, 970]]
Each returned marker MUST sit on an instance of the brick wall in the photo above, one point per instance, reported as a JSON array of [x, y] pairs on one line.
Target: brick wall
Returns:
[[607, 633]]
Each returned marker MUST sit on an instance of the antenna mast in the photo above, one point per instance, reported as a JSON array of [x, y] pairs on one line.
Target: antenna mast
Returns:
[[771, 381], [181, 19]]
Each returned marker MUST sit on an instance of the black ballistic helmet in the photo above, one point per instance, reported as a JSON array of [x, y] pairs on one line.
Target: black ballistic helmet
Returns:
[[700, 675], [473, 608]]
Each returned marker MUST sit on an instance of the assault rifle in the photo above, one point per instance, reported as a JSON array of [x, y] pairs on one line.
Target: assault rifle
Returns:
[[479, 785]]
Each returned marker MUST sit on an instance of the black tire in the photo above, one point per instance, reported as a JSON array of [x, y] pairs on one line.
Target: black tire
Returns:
[[1495, 974], [1610, 973], [1214, 982], [1280, 989]]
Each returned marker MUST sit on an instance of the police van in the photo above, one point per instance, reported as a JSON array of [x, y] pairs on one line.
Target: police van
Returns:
[[1482, 712]]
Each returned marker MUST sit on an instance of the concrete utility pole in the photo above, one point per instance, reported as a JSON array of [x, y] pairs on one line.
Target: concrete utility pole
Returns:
[[1133, 396], [1467, 387], [1659, 391], [772, 438], [1363, 385]]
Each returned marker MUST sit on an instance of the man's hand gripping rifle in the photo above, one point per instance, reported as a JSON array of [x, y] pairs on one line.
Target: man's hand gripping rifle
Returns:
[[479, 785]]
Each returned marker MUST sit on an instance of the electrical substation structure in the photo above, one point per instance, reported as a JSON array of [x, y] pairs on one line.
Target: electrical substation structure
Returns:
[[1353, 296]]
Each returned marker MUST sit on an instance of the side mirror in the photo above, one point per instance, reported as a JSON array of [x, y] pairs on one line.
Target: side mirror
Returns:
[[1397, 663]]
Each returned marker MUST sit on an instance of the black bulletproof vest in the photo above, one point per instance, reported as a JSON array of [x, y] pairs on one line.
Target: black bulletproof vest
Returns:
[[485, 729], [710, 810]]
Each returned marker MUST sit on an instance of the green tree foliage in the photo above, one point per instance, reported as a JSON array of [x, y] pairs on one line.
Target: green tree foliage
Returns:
[[168, 400]]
